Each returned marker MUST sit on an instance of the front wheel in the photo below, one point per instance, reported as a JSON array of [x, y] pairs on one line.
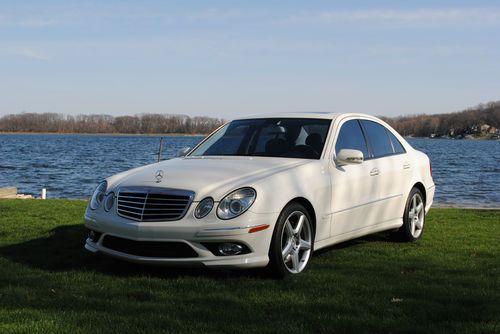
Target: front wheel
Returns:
[[414, 217], [293, 241]]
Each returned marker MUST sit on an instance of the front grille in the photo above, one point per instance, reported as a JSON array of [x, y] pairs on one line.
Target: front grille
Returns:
[[148, 204], [161, 249]]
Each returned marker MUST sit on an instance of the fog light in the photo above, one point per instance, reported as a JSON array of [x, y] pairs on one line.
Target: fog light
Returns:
[[230, 249], [93, 235]]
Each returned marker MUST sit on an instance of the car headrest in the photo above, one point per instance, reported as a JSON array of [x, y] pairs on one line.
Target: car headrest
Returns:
[[276, 146], [314, 140]]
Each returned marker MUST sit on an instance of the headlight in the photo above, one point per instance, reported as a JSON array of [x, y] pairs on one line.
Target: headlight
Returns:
[[204, 208], [109, 201], [98, 195], [236, 203]]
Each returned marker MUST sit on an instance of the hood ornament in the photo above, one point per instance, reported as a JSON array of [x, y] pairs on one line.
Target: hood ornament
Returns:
[[159, 176]]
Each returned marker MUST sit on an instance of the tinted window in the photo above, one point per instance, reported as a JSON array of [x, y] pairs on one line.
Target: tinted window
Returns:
[[229, 142], [351, 137], [268, 133], [398, 148], [275, 137], [378, 139]]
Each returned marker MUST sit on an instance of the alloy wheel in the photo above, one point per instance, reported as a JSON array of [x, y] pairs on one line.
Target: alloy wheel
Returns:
[[416, 215], [296, 240]]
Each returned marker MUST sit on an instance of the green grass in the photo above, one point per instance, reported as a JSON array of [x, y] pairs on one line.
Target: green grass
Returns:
[[446, 282]]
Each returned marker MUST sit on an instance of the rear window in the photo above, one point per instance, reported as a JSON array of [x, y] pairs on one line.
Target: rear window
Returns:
[[396, 144]]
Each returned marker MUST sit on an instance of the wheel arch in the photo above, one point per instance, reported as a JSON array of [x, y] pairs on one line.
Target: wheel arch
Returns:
[[420, 186], [309, 207]]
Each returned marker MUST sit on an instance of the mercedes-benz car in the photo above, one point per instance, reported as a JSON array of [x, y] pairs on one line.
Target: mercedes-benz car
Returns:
[[265, 191]]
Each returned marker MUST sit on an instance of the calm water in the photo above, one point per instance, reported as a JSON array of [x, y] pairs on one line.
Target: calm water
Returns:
[[70, 166], [466, 172]]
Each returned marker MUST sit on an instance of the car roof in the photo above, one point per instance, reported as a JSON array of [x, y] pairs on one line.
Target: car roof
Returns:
[[319, 115]]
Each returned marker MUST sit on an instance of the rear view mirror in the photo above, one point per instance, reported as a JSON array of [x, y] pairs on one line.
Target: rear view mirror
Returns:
[[349, 157], [182, 152]]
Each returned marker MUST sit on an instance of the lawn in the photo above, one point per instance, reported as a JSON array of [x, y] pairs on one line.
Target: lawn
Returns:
[[446, 282]]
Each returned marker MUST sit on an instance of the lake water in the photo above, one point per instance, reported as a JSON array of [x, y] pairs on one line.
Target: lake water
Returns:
[[466, 172]]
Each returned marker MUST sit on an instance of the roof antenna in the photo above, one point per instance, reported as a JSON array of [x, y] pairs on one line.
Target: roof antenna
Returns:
[[160, 150]]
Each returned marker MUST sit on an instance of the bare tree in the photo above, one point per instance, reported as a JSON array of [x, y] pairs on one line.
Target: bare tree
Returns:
[[145, 123], [461, 123]]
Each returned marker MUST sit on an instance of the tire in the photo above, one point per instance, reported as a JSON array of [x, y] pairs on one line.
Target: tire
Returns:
[[413, 218], [292, 243]]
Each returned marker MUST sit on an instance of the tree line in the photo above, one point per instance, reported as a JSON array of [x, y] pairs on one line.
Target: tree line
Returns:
[[138, 124], [482, 120]]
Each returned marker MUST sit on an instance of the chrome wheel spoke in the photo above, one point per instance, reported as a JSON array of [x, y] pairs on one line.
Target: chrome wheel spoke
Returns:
[[419, 207], [300, 223], [288, 228], [304, 244], [295, 261], [286, 251], [419, 224]]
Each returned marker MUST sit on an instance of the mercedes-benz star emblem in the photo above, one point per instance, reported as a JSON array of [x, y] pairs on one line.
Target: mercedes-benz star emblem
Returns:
[[159, 176]]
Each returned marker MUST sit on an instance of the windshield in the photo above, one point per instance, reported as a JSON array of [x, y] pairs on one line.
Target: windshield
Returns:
[[269, 137]]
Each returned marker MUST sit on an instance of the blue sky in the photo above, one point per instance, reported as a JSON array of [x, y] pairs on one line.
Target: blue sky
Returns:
[[229, 58]]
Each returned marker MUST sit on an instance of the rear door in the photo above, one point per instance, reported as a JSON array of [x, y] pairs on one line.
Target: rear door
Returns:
[[388, 157]]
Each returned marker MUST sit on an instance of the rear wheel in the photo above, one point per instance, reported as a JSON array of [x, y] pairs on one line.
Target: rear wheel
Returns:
[[292, 243], [414, 217]]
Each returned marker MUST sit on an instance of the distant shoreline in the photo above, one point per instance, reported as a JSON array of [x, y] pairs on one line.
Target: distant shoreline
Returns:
[[108, 134], [111, 134], [452, 138]]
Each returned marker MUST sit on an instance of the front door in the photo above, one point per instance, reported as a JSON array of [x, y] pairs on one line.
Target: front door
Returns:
[[356, 187]]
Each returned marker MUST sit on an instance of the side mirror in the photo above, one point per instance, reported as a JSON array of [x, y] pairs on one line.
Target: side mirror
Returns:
[[182, 152], [349, 157]]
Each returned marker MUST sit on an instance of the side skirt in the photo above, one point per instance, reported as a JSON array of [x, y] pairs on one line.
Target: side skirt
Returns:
[[388, 225]]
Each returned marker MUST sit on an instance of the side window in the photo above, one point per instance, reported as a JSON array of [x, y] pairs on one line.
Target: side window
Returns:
[[351, 137], [398, 148], [378, 138]]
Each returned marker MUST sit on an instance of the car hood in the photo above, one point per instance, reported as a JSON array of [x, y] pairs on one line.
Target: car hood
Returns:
[[206, 176]]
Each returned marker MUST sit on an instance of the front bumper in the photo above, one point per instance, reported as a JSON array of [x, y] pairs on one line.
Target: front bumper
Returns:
[[191, 231]]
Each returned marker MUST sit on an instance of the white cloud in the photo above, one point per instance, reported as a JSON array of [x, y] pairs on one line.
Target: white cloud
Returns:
[[24, 52], [35, 23], [26, 22], [216, 14], [423, 15]]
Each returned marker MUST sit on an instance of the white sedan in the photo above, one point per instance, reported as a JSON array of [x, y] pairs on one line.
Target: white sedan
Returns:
[[265, 191]]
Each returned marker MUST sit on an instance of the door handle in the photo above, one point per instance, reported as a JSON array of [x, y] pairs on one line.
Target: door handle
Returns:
[[406, 165], [374, 171]]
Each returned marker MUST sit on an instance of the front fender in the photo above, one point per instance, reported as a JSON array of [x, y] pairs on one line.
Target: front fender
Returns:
[[311, 182]]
